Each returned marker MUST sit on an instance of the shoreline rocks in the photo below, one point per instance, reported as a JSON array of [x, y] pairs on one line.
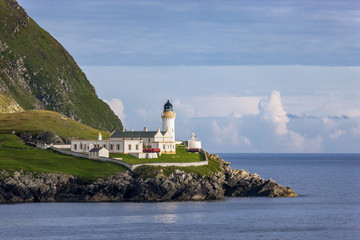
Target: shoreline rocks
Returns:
[[22, 186]]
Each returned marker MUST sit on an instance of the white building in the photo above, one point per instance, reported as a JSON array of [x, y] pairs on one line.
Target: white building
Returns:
[[194, 143], [98, 152], [136, 141]]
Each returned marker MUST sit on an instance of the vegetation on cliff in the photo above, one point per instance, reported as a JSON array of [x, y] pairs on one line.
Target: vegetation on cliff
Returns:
[[38, 73], [37, 121]]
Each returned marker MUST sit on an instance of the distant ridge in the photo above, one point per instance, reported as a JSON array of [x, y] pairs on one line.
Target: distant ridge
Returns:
[[38, 73]]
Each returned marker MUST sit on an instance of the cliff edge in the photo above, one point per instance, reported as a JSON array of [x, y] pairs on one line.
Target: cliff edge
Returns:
[[144, 184]]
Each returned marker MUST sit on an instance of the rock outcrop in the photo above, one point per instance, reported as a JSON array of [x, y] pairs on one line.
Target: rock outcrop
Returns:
[[21, 186], [47, 137]]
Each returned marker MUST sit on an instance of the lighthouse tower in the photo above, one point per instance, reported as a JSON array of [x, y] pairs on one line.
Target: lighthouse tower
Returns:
[[168, 119]]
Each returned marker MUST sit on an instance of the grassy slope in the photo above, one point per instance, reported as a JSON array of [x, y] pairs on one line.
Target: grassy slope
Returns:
[[40, 120], [48, 161], [182, 155], [8, 105], [51, 73]]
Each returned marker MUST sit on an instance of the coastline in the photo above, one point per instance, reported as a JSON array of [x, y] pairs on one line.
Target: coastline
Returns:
[[144, 184]]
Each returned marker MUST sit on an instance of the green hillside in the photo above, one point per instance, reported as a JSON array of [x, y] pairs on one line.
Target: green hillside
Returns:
[[36, 121], [38, 73], [14, 155]]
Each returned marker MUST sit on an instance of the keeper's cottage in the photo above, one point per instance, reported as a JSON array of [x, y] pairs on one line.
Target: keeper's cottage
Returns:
[[136, 142]]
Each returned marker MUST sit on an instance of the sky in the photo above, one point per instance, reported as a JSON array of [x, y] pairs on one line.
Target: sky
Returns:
[[244, 76]]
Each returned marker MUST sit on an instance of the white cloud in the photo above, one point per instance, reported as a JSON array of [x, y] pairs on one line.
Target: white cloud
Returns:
[[229, 134], [221, 106], [337, 133], [118, 107], [272, 110]]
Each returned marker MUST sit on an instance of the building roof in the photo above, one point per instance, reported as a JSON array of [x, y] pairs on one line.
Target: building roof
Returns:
[[96, 149], [135, 134]]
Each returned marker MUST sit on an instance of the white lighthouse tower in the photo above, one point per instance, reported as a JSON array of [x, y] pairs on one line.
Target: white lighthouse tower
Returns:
[[168, 119]]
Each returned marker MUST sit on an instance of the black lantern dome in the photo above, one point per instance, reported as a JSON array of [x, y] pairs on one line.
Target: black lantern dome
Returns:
[[168, 107]]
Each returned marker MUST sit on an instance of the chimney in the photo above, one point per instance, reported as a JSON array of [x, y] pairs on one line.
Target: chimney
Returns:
[[99, 136], [124, 130], [132, 129], [145, 129]]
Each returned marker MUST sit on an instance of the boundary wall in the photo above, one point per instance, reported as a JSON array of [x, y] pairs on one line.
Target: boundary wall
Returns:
[[132, 167]]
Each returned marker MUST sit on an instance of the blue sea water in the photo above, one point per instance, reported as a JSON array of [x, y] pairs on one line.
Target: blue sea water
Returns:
[[328, 207]]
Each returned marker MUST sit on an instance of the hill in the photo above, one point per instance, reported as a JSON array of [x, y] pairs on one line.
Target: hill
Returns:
[[38, 73], [37, 121]]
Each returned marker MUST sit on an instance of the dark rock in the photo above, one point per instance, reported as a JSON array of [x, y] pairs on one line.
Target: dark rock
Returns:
[[47, 137], [24, 186]]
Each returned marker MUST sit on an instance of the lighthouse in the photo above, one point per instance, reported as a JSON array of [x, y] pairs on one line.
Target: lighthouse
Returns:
[[168, 119]]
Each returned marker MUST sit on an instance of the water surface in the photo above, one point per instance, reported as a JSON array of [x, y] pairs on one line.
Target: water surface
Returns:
[[328, 208]]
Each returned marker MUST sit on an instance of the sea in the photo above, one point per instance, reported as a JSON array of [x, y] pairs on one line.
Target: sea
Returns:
[[328, 207]]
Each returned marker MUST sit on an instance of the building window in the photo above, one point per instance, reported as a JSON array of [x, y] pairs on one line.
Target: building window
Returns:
[[111, 146], [104, 145], [118, 146], [129, 146], [81, 146], [164, 146], [137, 146], [75, 146], [149, 140]]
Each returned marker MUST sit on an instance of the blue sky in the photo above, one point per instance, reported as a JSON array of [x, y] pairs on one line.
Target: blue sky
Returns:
[[245, 76]]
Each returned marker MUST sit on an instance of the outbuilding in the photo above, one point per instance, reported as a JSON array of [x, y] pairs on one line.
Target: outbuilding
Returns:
[[98, 152]]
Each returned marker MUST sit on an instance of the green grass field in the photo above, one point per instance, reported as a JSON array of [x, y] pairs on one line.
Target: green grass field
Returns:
[[36, 121], [207, 170], [48, 161], [15, 155], [182, 155]]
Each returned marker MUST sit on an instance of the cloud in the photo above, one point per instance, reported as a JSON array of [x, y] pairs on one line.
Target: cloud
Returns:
[[272, 110], [229, 134], [118, 107], [283, 139], [221, 106]]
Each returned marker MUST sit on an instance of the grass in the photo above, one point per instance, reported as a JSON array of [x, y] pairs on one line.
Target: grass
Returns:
[[182, 155], [8, 105], [48, 161], [36, 121], [207, 170], [11, 141]]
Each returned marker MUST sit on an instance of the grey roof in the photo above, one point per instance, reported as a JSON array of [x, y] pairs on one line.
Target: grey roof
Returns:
[[96, 149], [135, 134]]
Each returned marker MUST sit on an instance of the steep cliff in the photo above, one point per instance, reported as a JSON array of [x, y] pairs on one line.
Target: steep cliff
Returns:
[[38, 73]]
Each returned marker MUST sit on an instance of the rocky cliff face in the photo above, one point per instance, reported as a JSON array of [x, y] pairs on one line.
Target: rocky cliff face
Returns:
[[135, 186], [38, 73]]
